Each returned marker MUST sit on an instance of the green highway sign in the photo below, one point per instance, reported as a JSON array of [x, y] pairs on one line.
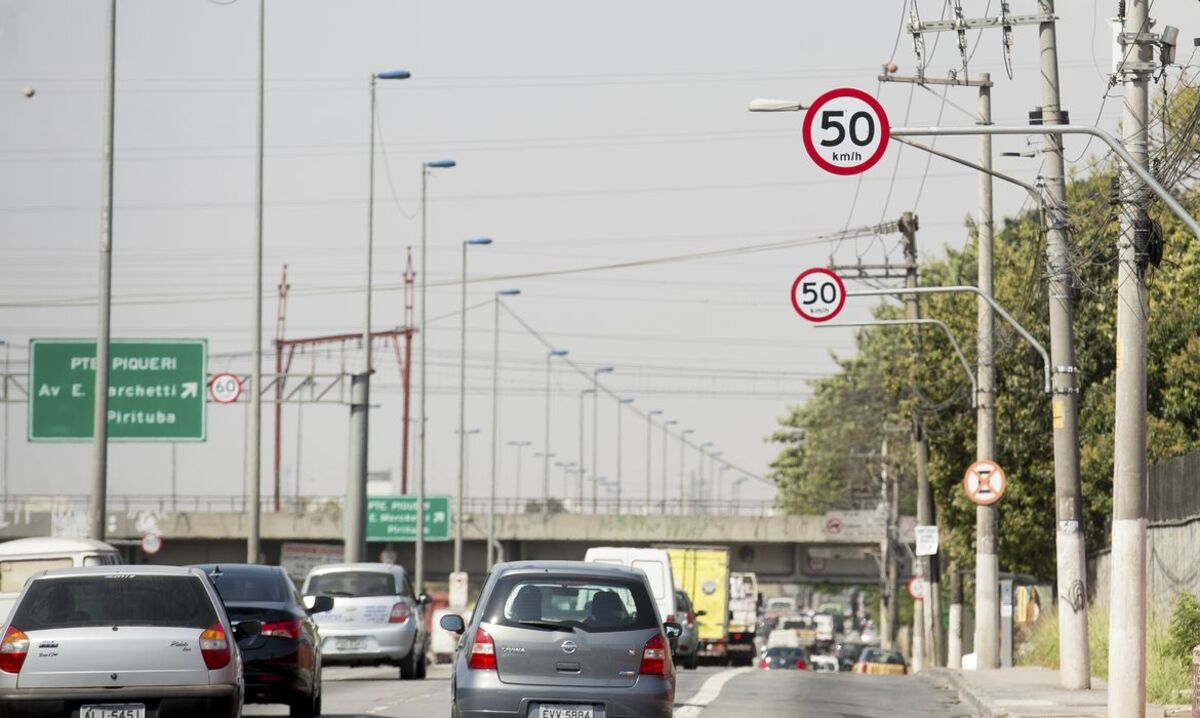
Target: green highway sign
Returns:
[[394, 518], [156, 389]]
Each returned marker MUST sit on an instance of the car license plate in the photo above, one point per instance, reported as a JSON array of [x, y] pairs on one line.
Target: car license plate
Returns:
[[564, 711], [114, 710], [351, 644]]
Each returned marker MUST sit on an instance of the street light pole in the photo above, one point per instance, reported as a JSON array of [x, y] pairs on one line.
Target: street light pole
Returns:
[[254, 418], [682, 477], [596, 428], [354, 516], [491, 520], [462, 401], [419, 561], [665, 424], [582, 473], [97, 509], [520, 447], [620, 404], [699, 487], [649, 454], [546, 444]]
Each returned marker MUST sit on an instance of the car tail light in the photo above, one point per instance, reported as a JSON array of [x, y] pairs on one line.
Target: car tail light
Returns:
[[801, 665], [214, 646], [282, 629], [690, 618], [736, 637], [483, 652], [764, 663], [13, 650], [654, 657], [399, 613]]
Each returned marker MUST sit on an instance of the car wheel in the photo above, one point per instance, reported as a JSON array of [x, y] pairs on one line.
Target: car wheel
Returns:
[[305, 707], [408, 664], [422, 666]]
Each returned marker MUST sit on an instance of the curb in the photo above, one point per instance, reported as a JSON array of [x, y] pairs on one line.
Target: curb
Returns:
[[952, 679]]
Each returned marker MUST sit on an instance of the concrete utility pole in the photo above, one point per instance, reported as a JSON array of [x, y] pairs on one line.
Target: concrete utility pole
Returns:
[[1074, 673], [254, 423], [931, 622], [582, 469], [1127, 625], [954, 644], [887, 567], [97, 511], [665, 424]]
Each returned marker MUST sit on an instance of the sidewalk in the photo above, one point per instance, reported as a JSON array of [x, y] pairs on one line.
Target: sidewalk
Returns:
[[1031, 693]]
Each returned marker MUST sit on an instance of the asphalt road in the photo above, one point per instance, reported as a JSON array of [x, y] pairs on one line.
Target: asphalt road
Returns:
[[705, 693]]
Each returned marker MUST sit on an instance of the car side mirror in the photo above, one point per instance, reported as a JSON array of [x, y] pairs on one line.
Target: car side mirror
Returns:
[[673, 630], [701, 613], [453, 623], [318, 604], [424, 599], [246, 629]]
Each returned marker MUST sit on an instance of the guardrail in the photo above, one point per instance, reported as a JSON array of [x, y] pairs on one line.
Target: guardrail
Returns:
[[191, 503]]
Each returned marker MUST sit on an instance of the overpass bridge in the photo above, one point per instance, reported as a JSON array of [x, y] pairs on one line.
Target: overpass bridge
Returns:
[[838, 547]]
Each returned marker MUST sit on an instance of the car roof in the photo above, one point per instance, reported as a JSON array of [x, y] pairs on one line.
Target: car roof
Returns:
[[585, 568], [340, 567], [52, 544], [142, 570], [243, 568]]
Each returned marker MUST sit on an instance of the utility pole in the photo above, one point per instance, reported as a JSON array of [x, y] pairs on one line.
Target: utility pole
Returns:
[[1074, 673], [954, 643], [930, 605], [254, 425], [887, 569], [97, 511], [1127, 626]]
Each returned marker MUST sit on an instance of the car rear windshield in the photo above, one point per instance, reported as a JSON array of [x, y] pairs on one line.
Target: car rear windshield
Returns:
[[250, 587], [119, 599], [588, 603], [787, 654], [353, 584]]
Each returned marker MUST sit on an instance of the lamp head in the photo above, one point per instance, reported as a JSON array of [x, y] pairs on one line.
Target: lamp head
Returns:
[[767, 105], [508, 292], [604, 370], [559, 352], [441, 164], [478, 241], [393, 75]]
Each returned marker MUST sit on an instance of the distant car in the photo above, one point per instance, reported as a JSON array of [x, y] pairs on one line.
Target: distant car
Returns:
[[878, 661], [788, 658], [824, 664], [563, 639], [121, 642], [847, 654], [375, 616], [780, 605], [21, 558], [687, 648], [282, 664]]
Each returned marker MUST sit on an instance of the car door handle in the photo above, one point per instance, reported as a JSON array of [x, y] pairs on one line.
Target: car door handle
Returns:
[[568, 667]]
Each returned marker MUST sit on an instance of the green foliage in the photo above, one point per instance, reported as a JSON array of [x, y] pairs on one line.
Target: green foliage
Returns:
[[829, 445], [1184, 632]]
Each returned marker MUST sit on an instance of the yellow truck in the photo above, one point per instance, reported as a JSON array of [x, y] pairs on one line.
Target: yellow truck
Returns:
[[703, 571]]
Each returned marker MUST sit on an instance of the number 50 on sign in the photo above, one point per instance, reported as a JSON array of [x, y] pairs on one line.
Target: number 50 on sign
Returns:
[[846, 131], [818, 294]]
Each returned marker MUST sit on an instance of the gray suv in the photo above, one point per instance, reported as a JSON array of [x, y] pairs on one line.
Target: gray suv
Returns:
[[563, 640], [121, 642]]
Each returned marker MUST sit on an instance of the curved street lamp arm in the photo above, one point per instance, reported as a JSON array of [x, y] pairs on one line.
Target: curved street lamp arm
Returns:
[[960, 290], [1031, 189], [935, 322]]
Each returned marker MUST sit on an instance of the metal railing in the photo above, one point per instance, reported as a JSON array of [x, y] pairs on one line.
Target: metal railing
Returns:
[[209, 503]]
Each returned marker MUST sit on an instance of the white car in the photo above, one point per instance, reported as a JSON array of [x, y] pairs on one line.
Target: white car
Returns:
[[121, 642], [823, 664]]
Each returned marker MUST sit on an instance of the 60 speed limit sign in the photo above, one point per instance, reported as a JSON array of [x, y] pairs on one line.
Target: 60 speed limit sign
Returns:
[[846, 131], [225, 388], [818, 294]]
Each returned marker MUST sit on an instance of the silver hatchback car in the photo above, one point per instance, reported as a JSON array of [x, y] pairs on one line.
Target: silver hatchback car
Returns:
[[375, 616], [121, 642], [563, 639]]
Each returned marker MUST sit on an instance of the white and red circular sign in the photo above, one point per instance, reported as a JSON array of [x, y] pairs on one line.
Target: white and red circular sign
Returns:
[[818, 294], [984, 482], [833, 526], [225, 388], [846, 131], [916, 588], [152, 544]]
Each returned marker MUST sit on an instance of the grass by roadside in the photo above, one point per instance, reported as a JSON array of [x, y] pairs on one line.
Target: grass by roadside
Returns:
[[1168, 647]]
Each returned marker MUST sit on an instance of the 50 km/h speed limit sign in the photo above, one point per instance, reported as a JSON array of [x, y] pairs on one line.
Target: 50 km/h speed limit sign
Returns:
[[846, 131], [818, 294]]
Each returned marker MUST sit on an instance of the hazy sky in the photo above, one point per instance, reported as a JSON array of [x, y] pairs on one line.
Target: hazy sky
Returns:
[[586, 133]]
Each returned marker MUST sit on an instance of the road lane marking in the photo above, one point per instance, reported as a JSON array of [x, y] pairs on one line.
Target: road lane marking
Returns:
[[708, 693]]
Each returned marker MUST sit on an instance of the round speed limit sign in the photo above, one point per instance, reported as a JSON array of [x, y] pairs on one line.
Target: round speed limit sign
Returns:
[[818, 294], [846, 131], [225, 388]]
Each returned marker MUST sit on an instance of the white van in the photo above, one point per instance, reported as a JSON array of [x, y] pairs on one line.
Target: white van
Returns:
[[654, 562], [21, 558]]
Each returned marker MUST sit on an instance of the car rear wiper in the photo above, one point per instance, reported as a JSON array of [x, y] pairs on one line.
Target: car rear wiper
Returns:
[[549, 624]]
